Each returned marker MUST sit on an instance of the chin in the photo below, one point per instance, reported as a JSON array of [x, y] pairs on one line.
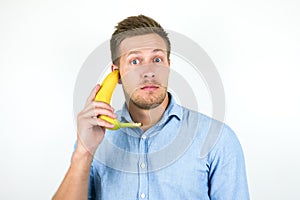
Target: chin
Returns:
[[148, 101]]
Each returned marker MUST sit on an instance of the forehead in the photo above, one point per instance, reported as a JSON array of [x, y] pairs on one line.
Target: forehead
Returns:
[[149, 41]]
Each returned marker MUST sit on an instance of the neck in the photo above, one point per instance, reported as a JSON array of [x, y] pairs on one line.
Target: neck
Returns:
[[148, 117]]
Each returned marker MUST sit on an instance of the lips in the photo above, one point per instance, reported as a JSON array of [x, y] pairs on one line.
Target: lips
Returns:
[[149, 87]]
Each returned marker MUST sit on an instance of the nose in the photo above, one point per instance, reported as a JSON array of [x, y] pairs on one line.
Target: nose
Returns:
[[149, 75]]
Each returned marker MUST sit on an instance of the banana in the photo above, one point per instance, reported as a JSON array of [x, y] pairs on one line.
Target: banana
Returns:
[[107, 87], [105, 93]]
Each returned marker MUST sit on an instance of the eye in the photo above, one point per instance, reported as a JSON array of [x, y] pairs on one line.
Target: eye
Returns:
[[157, 60], [135, 62]]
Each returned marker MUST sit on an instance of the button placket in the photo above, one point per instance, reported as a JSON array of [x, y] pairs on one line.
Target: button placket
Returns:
[[144, 136], [142, 165], [143, 195]]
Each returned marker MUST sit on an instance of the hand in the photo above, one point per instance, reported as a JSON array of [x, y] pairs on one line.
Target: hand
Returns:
[[90, 128]]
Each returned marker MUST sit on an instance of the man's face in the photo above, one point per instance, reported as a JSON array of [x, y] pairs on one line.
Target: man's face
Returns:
[[144, 70]]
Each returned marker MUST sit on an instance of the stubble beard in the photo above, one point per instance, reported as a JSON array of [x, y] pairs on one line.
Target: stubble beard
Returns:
[[149, 101]]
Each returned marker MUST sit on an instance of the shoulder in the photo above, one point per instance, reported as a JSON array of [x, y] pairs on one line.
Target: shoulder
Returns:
[[213, 136]]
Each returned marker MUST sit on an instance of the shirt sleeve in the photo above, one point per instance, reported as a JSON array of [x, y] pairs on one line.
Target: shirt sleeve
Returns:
[[227, 174], [91, 187]]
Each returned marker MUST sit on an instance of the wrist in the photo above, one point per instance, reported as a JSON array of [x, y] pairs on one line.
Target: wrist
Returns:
[[82, 158]]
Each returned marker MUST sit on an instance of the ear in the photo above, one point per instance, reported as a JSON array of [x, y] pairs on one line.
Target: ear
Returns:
[[114, 67]]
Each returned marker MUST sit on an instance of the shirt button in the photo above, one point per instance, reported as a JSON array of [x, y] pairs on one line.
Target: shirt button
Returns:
[[143, 195], [144, 136], [142, 165]]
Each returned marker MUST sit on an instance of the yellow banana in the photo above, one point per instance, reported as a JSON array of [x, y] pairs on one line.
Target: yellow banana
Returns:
[[105, 93], [107, 87]]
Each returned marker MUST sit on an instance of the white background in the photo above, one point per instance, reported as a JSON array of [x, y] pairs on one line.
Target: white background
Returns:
[[255, 46]]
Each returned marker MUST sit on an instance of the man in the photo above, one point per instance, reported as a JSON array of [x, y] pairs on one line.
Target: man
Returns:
[[144, 163]]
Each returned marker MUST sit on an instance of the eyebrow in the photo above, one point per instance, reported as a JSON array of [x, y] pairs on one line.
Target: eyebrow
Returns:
[[139, 52]]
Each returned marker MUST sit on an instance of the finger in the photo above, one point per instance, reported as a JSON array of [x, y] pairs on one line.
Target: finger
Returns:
[[93, 93], [99, 111], [100, 122], [96, 109], [99, 104]]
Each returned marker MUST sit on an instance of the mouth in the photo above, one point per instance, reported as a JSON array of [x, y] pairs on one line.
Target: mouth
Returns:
[[149, 87]]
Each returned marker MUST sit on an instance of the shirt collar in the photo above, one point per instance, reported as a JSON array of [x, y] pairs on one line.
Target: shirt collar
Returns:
[[173, 109]]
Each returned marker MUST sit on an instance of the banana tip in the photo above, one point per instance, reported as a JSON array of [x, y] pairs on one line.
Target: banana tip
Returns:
[[138, 124]]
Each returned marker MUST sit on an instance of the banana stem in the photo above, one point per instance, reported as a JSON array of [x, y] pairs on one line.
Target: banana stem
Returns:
[[129, 125]]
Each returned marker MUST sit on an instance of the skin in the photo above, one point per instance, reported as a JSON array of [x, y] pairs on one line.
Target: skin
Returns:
[[144, 58], [144, 68]]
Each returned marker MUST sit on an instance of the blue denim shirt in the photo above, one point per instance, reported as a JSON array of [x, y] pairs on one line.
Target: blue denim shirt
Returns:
[[186, 155]]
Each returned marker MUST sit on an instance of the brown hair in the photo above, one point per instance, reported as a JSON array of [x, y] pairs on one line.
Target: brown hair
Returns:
[[134, 26]]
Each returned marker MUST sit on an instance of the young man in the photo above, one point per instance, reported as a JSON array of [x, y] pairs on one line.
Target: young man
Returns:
[[160, 160]]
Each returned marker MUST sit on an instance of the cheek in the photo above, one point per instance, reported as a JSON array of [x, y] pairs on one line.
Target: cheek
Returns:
[[124, 69], [130, 81]]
